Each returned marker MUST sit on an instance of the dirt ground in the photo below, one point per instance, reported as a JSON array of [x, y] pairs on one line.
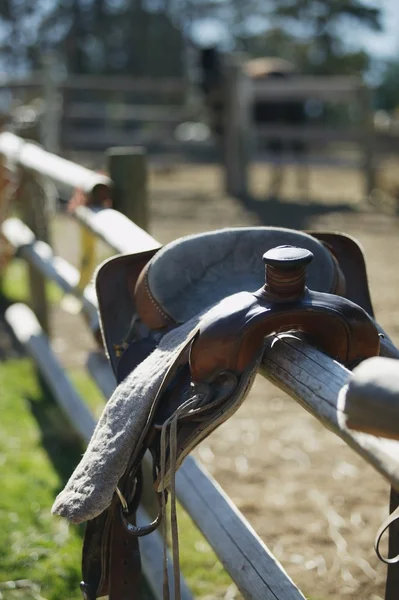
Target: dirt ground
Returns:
[[314, 502]]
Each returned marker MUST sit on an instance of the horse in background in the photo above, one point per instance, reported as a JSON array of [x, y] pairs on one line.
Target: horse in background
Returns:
[[276, 112]]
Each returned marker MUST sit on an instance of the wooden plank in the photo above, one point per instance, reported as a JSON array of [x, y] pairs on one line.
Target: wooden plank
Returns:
[[319, 384], [308, 133], [254, 569], [83, 137], [116, 230], [35, 80], [120, 83], [40, 256], [302, 87], [372, 398], [62, 171], [128, 170], [237, 130], [116, 111], [29, 333]]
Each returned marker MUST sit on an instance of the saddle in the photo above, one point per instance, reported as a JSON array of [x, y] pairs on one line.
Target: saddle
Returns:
[[183, 328]]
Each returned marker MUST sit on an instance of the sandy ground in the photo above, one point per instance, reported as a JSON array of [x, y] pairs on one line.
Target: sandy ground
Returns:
[[311, 499]]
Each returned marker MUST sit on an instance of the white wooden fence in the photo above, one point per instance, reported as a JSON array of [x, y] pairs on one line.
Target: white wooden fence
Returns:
[[316, 381]]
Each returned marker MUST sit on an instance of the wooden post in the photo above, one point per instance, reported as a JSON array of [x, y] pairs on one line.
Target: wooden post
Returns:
[[238, 102], [367, 140], [51, 117], [34, 212], [127, 167]]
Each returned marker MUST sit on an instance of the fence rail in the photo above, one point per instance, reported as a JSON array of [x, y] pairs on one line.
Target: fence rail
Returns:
[[316, 381], [243, 136], [332, 88]]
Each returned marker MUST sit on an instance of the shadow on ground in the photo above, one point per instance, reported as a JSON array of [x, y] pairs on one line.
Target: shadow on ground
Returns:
[[294, 214]]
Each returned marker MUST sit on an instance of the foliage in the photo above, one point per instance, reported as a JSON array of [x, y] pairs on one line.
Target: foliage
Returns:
[[304, 54], [123, 36]]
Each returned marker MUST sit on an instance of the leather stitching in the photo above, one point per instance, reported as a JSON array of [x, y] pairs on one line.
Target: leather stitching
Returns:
[[154, 302]]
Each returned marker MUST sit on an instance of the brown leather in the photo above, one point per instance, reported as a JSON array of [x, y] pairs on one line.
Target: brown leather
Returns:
[[334, 324], [124, 561], [151, 313], [95, 557], [119, 274], [392, 583], [353, 266]]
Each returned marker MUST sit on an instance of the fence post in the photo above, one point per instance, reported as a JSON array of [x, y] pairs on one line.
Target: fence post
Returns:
[[367, 139], [34, 212], [127, 167], [237, 138], [51, 116]]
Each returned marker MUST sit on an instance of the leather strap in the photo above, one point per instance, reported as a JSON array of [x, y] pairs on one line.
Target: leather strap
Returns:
[[95, 554], [390, 520], [124, 560], [392, 582]]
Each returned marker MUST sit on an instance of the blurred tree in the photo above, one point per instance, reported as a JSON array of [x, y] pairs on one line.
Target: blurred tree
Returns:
[[148, 36], [303, 53], [321, 22]]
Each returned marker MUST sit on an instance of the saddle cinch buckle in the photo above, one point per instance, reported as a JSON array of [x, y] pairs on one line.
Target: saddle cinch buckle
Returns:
[[233, 332]]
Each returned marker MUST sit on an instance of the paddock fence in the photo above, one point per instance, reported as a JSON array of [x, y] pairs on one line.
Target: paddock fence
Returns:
[[93, 112], [355, 143], [313, 379]]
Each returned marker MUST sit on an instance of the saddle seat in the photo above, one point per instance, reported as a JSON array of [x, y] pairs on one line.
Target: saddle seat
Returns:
[[162, 288]]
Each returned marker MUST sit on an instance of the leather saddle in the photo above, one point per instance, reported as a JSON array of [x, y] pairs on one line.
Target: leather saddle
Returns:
[[184, 328]]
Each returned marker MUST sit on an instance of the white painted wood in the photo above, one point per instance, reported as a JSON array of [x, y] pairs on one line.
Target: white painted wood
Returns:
[[34, 157], [116, 230], [122, 83], [29, 333], [319, 384], [40, 255], [103, 83], [237, 125], [254, 569], [372, 398]]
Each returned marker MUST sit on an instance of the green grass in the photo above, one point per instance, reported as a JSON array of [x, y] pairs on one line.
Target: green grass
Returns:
[[15, 285], [36, 452]]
